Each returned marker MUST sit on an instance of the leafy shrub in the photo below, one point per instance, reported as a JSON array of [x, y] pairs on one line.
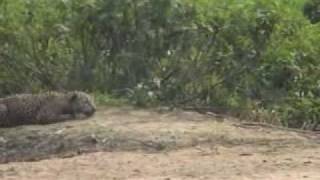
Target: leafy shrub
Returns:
[[311, 9], [249, 55]]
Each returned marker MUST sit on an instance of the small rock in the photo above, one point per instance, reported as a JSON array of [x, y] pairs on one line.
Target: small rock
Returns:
[[137, 171], [3, 140], [60, 131], [245, 154], [307, 162]]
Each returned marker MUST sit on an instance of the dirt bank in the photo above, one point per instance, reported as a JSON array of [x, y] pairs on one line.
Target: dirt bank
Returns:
[[128, 143]]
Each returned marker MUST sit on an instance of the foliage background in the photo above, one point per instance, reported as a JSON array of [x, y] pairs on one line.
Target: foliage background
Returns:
[[260, 56]]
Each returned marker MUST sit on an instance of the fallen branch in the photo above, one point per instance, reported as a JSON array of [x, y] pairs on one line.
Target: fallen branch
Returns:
[[270, 126]]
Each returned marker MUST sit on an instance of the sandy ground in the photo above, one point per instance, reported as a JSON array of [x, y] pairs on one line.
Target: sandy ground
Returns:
[[195, 147]]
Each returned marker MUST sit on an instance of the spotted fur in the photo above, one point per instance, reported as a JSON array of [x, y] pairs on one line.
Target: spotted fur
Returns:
[[44, 108]]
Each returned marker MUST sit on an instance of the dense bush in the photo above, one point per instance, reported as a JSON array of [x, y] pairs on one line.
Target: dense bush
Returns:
[[311, 9], [237, 54]]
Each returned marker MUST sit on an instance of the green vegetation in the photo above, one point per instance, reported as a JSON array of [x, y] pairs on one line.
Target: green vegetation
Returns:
[[240, 54]]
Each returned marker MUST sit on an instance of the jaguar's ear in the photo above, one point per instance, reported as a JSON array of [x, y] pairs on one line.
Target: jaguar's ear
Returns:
[[74, 97]]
